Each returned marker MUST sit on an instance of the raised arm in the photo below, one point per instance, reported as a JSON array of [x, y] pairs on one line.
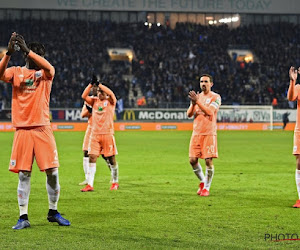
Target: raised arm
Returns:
[[194, 98], [4, 61], [190, 111], [85, 95], [3, 66], [112, 98], [84, 112], [40, 61], [291, 95]]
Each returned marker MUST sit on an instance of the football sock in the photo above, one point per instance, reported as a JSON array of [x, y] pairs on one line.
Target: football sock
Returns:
[[209, 174], [91, 175], [108, 164], [86, 166], [298, 181], [52, 212], [53, 189], [23, 192], [24, 217], [115, 173], [198, 172]]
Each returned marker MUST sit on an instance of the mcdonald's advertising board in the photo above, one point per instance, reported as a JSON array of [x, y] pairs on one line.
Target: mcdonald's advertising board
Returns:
[[154, 115], [168, 115]]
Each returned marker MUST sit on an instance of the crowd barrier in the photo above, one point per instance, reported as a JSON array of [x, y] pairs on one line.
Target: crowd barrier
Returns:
[[159, 126]]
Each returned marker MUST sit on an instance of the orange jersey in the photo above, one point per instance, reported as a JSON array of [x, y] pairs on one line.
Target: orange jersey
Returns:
[[30, 96], [103, 117], [86, 113], [206, 124], [297, 94]]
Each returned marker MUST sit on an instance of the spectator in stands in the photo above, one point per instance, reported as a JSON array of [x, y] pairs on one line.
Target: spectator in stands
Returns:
[[167, 61]]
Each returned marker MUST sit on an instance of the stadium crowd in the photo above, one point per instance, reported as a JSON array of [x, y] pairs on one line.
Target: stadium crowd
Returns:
[[167, 61]]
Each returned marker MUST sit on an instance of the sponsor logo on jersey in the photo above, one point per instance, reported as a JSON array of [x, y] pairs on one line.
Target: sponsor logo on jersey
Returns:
[[29, 82], [38, 74]]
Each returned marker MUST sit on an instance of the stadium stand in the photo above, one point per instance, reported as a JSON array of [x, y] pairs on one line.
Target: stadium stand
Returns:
[[167, 61]]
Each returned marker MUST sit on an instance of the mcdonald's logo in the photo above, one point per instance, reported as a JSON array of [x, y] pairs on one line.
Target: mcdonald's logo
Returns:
[[129, 115]]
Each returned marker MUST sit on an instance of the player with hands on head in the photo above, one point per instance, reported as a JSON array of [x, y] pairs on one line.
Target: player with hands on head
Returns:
[[292, 95], [102, 140], [87, 111], [203, 143], [31, 87]]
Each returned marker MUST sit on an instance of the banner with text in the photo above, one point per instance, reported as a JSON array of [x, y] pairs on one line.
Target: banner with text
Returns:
[[155, 126], [214, 6], [236, 114]]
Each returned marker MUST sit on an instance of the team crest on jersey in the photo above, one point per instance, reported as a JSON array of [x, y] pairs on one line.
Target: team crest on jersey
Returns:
[[207, 101], [29, 82], [105, 104], [295, 148], [38, 74], [13, 163]]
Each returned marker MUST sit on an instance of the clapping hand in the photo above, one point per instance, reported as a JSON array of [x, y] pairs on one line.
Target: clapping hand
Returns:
[[294, 73], [11, 43], [193, 96], [21, 42]]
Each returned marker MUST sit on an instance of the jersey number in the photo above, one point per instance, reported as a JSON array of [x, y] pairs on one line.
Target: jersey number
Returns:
[[210, 149], [55, 155]]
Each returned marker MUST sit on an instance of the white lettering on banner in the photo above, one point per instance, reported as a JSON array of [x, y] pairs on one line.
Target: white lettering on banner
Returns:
[[158, 115], [233, 127], [143, 115], [259, 115], [151, 116], [74, 115], [224, 115], [248, 115]]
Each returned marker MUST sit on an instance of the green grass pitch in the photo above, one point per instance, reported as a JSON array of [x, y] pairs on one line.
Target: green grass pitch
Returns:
[[156, 207]]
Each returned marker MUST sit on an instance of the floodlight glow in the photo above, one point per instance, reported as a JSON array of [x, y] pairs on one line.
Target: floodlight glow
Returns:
[[158, 24], [235, 19], [146, 23], [229, 19], [248, 58]]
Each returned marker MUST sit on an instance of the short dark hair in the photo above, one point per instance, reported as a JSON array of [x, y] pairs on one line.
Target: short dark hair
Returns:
[[208, 75], [38, 48]]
